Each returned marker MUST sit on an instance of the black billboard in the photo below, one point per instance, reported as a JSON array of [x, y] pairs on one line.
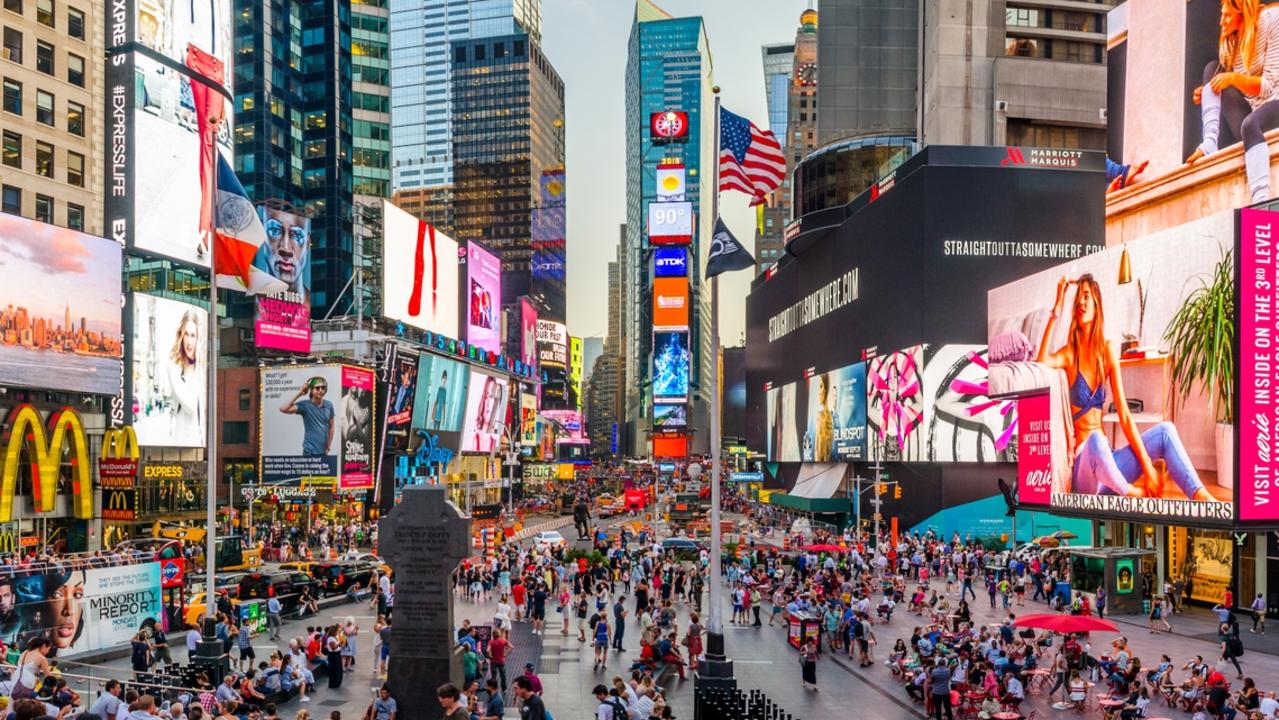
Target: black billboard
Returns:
[[914, 259]]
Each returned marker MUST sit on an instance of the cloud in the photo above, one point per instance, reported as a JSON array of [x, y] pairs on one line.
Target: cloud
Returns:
[[54, 250]]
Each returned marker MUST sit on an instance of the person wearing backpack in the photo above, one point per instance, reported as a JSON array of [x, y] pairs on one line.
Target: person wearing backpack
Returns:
[[1231, 646], [610, 706]]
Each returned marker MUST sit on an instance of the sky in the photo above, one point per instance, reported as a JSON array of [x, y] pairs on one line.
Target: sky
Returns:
[[586, 40]]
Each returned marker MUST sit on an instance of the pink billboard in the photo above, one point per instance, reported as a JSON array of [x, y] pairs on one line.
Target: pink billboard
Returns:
[[528, 333], [357, 428], [484, 299], [1258, 418], [1034, 450]]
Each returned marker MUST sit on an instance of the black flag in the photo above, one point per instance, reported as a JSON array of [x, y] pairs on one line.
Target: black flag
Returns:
[[726, 252]]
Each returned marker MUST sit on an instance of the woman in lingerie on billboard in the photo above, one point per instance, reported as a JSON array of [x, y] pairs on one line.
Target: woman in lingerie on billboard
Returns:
[[1241, 86], [1091, 363]]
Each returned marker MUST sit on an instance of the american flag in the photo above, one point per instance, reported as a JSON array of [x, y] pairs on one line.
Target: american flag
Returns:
[[750, 159]]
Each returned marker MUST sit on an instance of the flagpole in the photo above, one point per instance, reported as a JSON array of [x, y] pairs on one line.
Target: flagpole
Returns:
[[211, 450], [718, 668]]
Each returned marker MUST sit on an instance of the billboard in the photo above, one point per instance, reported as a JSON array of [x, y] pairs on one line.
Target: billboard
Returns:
[[528, 419], [528, 333], [734, 393], [169, 372], [552, 344], [484, 299], [1257, 417], [564, 426], [670, 416], [171, 30], [896, 405], [670, 303], [1114, 437], [439, 405], [282, 321], [575, 371], [306, 433], [671, 364], [421, 289], [668, 126], [401, 394], [549, 228], [836, 427], [81, 610], [964, 423], [670, 262], [486, 402], [671, 182], [59, 308], [670, 223]]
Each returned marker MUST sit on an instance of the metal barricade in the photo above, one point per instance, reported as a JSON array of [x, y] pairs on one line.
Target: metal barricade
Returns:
[[729, 703]]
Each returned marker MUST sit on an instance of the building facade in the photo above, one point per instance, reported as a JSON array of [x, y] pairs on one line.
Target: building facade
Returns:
[[51, 169], [422, 36], [508, 132], [867, 68], [668, 67]]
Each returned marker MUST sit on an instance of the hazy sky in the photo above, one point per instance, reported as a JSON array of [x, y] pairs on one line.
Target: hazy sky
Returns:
[[586, 40]]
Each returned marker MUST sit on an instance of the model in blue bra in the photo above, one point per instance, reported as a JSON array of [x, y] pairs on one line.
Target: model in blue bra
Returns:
[[1099, 470]]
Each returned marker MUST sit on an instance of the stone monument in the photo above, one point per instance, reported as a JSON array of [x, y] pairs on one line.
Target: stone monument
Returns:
[[423, 538]]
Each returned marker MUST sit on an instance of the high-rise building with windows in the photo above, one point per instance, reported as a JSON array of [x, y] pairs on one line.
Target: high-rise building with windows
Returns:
[[293, 127], [508, 139], [778, 61], [668, 67], [422, 36], [51, 162]]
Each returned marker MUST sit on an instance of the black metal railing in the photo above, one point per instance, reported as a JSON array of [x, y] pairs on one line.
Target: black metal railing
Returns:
[[729, 703]]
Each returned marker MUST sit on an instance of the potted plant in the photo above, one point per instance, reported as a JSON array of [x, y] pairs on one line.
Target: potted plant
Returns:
[[1201, 338]]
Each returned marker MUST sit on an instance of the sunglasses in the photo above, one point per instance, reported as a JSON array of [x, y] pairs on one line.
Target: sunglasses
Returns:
[[275, 230]]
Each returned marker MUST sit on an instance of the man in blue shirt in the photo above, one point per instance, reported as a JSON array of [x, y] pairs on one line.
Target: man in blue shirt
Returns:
[[273, 609], [317, 416]]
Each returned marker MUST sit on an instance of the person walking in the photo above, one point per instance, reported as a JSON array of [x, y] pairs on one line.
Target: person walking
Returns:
[[601, 632], [1101, 601], [1231, 646], [808, 665], [1258, 608], [619, 622]]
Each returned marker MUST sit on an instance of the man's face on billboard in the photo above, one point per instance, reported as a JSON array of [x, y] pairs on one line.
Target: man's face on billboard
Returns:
[[288, 240]]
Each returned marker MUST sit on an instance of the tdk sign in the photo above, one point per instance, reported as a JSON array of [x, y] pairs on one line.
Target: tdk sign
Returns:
[[670, 262]]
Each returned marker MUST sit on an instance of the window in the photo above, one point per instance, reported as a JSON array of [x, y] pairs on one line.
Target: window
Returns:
[[235, 432], [44, 159], [44, 209], [1022, 17], [246, 399], [44, 12], [44, 107], [75, 169], [479, 52], [13, 96], [12, 45], [459, 54], [75, 23], [11, 200], [1022, 47], [44, 57], [75, 216], [75, 118], [12, 149], [499, 50], [519, 48], [75, 70], [13, 6]]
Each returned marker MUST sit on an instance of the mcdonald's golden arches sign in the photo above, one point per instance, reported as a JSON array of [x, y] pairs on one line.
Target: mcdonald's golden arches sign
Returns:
[[43, 443]]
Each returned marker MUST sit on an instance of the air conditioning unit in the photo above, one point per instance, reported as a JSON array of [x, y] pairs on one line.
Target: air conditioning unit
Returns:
[[1001, 106], [6, 53]]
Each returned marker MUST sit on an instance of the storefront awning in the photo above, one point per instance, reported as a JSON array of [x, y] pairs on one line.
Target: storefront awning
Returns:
[[818, 481]]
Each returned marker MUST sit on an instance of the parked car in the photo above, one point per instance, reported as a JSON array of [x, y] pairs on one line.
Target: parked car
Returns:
[[337, 577], [548, 539], [287, 587], [222, 582]]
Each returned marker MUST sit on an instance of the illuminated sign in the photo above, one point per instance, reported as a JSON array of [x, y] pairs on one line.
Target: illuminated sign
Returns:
[[670, 223], [118, 465], [120, 504], [668, 126], [252, 493], [670, 262], [671, 182], [44, 445], [670, 304]]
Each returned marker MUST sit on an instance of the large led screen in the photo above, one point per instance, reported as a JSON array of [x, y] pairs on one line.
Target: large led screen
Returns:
[[485, 412], [1086, 348], [307, 432], [440, 403], [484, 299], [836, 427], [59, 308], [671, 365], [670, 303], [282, 320], [552, 344], [420, 275], [171, 28], [670, 416], [528, 333], [896, 405], [400, 401], [169, 372], [105, 607]]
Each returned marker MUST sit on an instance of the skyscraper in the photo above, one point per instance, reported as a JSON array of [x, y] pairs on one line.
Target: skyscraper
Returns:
[[508, 148], [668, 67], [867, 66], [422, 37], [778, 61]]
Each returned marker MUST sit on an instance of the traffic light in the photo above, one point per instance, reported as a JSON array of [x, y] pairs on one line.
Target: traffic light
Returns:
[[881, 488], [897, 492]]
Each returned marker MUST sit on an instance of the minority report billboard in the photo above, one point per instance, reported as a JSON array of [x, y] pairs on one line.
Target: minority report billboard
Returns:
[[486, 410], [317, 423], [671, 366], [60, 308], [439, 405], [282, 321], [420, 287], [1091, 353], [169, 372], [81, 610], [484, 299]]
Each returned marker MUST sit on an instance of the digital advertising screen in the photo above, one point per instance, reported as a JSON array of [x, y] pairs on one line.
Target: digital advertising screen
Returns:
[[836, 415], [317, 423], [357, 428], [484, 299], [420, 289], [670, 262], [60, 308], [670, 223], [528, 333], [486, 410], [964, 423], [171, 29], [565, 426], [439, 405], [671, 365], [282, 321], [671, 182], [670, 303], [896, 405], [400, 401], [670, 416], [169, 372], [1087, 332], [552, 344], [549, 228], [575, 370], [528, 419]]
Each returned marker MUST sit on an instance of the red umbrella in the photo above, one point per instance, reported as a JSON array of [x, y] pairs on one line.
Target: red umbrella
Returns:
[[1065, 623], [824, 548]]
